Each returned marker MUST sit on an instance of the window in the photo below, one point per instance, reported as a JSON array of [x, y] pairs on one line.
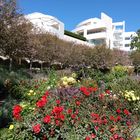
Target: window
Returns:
[[97, 41], [93, 31], [127, 38], [127, 45]]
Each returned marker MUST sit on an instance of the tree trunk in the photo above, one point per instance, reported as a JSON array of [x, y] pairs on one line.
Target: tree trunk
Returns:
[[10, 64], [41, 66], [30, 64]]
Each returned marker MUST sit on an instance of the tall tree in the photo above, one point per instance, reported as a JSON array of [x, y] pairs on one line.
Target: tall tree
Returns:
[[135, 43], [15, 31]]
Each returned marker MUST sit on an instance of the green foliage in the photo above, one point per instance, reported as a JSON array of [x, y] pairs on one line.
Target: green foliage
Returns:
[[135, 56], [119, 71], [74, 35]]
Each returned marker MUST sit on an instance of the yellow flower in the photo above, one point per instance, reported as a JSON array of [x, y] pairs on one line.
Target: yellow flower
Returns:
[[138, 138], [138, 98], [64, 79], [34, 93], [73, 75], [31, 91], [29, 94], [71, 80], [65, 83], [11, 126], [134, 98]]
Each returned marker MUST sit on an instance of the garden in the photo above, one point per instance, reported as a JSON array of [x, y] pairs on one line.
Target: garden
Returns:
[[51, 89], [62, 106]]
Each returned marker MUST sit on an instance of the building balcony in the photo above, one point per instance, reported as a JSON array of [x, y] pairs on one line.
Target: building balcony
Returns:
[[97, 35]]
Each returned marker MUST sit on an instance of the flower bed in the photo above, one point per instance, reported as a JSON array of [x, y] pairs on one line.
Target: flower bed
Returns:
[[72, 112]]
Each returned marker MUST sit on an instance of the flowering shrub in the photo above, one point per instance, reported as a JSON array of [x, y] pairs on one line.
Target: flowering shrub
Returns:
[[72, 113], [130, 96], [66, 81]]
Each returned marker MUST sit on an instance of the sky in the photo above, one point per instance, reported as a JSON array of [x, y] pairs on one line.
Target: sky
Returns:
[[72, 12]]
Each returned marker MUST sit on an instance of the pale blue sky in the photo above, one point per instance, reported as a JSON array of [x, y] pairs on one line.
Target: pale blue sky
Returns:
[[71, 12]]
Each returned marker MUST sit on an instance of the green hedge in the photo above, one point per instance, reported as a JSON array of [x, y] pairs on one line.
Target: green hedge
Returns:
[[74, 35]]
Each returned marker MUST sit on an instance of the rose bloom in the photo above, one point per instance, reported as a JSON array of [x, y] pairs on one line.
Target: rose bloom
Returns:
[[87, 138], [58, 102], [78, 103], [16, 112], [36, 128], [118, 111], [69, 111], [126, 112], [47, 119]]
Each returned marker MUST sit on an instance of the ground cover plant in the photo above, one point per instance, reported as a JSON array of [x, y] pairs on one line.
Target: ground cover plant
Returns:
[[66, 109]]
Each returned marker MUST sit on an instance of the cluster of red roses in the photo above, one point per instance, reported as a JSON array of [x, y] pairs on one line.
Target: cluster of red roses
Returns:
[[42, 102], [88, 90], [17, 112]]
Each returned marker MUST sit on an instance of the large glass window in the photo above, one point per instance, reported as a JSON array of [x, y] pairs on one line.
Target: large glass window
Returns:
[[97, 42]]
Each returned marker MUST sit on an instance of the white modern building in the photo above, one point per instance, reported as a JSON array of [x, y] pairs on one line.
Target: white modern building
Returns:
[[47, 23], [105, 31], [97, 31]]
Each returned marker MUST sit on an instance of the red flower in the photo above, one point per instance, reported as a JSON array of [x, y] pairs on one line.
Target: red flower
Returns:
[[101, 95], [42, 102], [37, 128], [107, 91], [94, 115], [47, 93], [76, 111], [47, 119], [118, 111], [73, 116], [58, 102], [57, 109], [85, 91], [17, 109], [94, 89], [78, 103], [104, 121], [93, 136], [112, 118], [69, 111], [96, 128], [44, 137], [57, 122], [118, 118], [62, 117], [16, 112], [126, 112], [128, 123], [87, 138], [116, 136]]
